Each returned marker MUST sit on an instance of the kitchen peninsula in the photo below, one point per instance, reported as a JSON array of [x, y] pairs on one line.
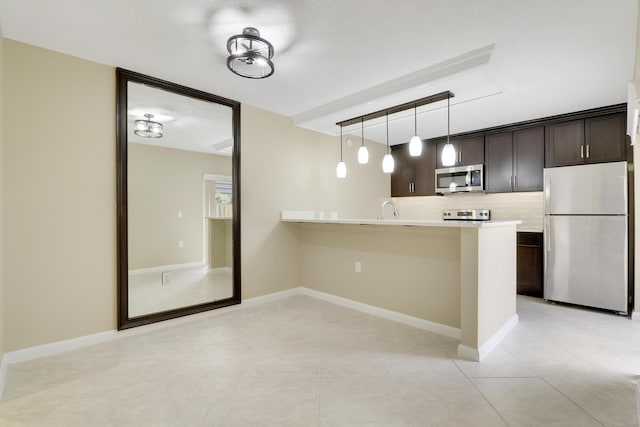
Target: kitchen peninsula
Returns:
[[457, 278]]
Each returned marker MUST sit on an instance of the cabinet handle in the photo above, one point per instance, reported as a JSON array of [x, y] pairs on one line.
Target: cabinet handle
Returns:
[[582, 151], [409, 187], [515, 182], [587, 151], [511, 182], [459, 156]]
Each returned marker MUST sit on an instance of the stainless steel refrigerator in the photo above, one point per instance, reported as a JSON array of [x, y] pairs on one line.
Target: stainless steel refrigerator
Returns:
[[585, 235]]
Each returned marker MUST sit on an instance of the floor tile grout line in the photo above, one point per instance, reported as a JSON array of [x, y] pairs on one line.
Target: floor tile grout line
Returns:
[[572, 401]]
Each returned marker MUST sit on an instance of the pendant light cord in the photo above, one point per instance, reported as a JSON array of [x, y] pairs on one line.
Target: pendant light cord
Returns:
[[362, 132], [387, 116], [415, 119], [448, 117], [340, 142]]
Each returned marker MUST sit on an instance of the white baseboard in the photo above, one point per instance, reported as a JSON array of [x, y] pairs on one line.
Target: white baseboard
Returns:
[[166, 268], [483, 351], [416, 322], [221, 270], [270, 297]]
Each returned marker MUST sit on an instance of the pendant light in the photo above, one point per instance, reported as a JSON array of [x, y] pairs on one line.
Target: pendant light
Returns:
[[387, 160], [363, 153], [415, 145], [449, 151], [341, 169]]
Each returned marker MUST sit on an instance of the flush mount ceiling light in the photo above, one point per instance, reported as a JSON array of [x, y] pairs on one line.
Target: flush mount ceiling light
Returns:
[[449, 151], [341, 169], [250, 55], [387, 160], [147, 128], [415, 145], [363, 153]]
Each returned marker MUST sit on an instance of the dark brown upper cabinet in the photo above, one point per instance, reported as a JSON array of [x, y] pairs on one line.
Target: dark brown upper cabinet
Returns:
[[591, 140], [413, 176], [514, 160], [469, 151]]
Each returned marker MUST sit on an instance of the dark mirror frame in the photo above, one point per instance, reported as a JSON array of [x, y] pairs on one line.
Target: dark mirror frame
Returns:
[[123, 77]]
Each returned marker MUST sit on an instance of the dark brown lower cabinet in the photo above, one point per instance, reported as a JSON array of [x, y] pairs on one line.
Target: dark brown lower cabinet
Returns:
[[529, 264]]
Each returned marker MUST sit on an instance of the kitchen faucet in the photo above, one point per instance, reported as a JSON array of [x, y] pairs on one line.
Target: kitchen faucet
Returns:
[[384, 204]]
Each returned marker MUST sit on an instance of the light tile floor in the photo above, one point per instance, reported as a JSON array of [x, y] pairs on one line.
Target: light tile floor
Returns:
[[304, 362], [188, 286]]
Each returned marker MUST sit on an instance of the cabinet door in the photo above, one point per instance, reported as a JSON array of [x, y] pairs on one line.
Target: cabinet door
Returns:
[[402, 175], [424, 170], [529, 264], [528, 159], [471, 151], [564, 144], [498, 170], [605, 138]]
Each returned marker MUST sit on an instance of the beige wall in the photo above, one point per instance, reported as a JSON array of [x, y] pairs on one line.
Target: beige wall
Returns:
[[415, 270], [289, 168], [162, 182], [2, 270], [59, 174]]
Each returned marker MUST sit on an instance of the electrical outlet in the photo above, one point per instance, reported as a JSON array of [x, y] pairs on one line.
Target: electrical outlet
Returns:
[[180, 244], [358, 267], [166, 277]]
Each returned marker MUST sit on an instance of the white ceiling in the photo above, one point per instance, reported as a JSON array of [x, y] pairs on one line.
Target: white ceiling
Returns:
[[505, 60]]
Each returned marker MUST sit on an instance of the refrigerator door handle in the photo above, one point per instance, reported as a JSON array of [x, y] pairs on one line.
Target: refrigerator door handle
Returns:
[[547, 196], [547, 233]]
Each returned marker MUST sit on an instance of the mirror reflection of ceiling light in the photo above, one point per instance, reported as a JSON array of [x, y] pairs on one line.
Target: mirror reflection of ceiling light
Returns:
[[250, 55], [147, 128]]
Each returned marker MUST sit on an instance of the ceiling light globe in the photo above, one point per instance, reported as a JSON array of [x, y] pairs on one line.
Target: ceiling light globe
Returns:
[[387, 163], [415, 146], [448, 155], [341, 170], [363, 155]]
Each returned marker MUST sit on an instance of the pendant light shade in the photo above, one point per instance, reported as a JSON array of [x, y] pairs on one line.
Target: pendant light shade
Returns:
[[448, 155], [387, 160], [341, 169], [415, 144], [147, 128], [449, 151], [388, 163], [363, 153]]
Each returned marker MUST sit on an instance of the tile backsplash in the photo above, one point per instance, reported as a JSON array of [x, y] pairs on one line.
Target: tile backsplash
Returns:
[[526, 207]]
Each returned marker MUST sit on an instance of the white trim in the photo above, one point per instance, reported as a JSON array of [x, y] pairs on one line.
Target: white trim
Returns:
[[160, 268], [635, 315], [50, 349], [483, 351], [3, 375], [416, 322], [270, 297], [214, 177], [221, 270]]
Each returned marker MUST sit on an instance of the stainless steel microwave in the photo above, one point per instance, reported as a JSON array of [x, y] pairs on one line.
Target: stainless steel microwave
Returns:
[[461, 179]]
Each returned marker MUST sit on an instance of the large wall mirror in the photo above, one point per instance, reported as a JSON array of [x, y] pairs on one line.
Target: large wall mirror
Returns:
[[178, 163]]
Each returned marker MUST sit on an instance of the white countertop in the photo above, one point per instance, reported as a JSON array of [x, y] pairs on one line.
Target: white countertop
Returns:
[[402, 222]]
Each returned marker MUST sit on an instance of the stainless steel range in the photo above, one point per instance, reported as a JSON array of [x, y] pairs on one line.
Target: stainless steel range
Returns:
[[466, 214]]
